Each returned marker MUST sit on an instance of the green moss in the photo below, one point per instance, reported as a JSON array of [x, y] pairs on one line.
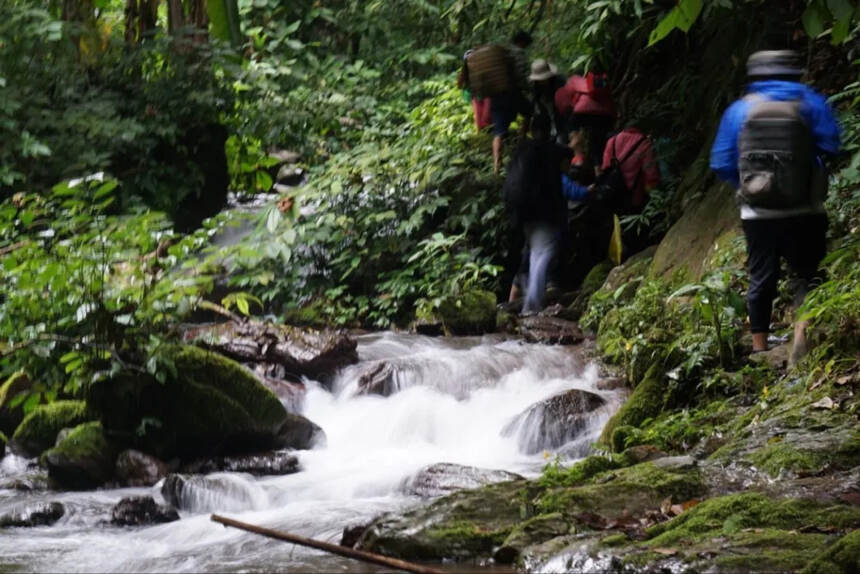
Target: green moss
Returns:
[[779, 456], [533, 531], [624, 491], [208, 404], [768, 550], [10, 417], [470, 313], [85, 440], [579, 472], [728, 515], [645, 402], [843, 556], [590, 285], [614, 540], [38, 431], [3, 441]]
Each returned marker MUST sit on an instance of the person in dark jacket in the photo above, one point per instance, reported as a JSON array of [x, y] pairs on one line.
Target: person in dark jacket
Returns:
[[796, 233], [533, 196]]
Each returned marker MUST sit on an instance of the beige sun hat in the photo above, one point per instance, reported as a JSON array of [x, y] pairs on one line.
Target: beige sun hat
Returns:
[[542, 70]]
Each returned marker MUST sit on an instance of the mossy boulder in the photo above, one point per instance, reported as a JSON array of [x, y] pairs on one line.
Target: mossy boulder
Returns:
[[208, 405], [646, 401], [691, 241], [11, 417], [464, 525], [470, 313], [82, 460], [533, 531], [39, 429]]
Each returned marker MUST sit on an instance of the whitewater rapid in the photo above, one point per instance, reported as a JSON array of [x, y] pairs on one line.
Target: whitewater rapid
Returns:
[[454, 397]]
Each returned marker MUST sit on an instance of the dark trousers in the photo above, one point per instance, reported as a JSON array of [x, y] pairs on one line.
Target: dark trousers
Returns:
[[801, 241]]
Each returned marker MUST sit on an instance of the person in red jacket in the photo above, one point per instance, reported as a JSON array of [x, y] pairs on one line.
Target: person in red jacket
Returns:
[[587, 102], [635, 155]]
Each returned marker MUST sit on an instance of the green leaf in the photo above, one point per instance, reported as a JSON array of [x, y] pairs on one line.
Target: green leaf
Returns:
[[814, 18], [841, 9], [841, 31], [273, 219]]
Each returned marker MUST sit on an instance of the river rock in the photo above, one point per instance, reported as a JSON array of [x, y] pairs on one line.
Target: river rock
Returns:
[[261, 464], [352, 534], [550, 330], [135, 468], [378, 379], [39, 429], [275, 378], [224, 492], [317, 354], [40, 514], [83, 460], [611, 384], [444, 478], [472, 312], [290, 175], [553, 422], [141, 511], [208, 405]]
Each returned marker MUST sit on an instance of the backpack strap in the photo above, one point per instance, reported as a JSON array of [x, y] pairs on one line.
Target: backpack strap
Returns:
[[629, 152]]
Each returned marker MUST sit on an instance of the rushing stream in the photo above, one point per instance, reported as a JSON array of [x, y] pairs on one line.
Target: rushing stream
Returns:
[[454, 399]]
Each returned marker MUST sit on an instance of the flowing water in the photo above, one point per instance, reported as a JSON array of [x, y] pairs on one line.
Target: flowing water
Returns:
[[454, 398]]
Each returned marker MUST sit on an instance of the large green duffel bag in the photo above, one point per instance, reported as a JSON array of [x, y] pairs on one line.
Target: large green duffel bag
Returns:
[[489, 70]]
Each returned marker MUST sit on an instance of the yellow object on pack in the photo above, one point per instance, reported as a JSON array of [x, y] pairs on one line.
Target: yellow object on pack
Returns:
[[615, 241]]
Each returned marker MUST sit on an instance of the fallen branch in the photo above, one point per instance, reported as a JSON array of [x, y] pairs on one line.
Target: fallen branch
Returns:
[[327, 547]]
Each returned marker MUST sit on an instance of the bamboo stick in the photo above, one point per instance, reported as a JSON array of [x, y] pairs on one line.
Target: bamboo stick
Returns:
[[327, 547]]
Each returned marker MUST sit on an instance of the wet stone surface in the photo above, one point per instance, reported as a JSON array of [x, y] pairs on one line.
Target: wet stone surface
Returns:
[[40, 514], [141, 511], [261, 464], [445, 478]]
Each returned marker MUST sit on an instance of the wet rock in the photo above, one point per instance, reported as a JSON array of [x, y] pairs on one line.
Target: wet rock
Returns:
[[135, 468], [553, 422], [41, 514], [378, 379], [550, 330], [776, 357], [444, 478], [276, 379], [26, 483], [209, 406], [39, 429], [290, 175], [262, 464], [316, 354], [11, 417], [299, 433], [352, 534], [224, 492], [532, 531], [83, 460], [141, 511]]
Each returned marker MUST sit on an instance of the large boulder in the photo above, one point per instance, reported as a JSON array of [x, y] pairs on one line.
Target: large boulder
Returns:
[[553, 422], [39, 429], [208, 405], [379, 378], [82, 460], [39, 514], [135, 468], [444, 478], [11, 417], [317, 354], [646, 401], [141, 511]]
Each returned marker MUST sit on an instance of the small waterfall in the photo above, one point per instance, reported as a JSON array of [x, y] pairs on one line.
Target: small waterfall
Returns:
[[486, 402]]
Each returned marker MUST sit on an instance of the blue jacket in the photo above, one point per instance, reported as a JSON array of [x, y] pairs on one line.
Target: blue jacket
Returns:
[[571, 190], [816, 111]]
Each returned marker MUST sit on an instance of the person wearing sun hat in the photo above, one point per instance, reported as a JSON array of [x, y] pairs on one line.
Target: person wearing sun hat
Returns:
[[545, 81]]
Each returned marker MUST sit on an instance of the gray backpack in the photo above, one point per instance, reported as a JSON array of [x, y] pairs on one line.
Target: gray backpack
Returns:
[[776, 156]]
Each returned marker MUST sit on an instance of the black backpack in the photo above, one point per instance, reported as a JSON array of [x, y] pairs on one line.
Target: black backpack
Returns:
[[610, 189], [775, 155]]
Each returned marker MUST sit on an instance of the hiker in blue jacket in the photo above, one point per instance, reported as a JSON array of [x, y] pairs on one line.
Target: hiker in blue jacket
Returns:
[[771, 145]]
